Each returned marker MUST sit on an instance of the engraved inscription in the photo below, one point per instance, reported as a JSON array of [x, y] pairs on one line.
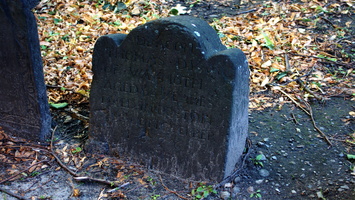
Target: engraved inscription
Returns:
[[165, 95]]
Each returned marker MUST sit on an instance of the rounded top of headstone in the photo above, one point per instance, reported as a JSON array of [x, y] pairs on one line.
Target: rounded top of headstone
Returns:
[[192, 31]]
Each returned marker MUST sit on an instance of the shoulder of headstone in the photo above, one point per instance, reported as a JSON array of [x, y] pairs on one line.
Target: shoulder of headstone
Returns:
[[235, 55], [115, 38]]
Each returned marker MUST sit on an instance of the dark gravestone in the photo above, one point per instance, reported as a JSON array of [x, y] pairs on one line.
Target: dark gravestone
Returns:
[[24, 108], [169, 95]]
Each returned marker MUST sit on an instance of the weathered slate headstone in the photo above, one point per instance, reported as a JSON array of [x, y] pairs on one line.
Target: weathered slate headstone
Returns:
[[24, 108], [169, 95]]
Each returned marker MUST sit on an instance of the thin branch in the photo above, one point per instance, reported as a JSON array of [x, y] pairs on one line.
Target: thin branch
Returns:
[[309, 90], [12, 194], [86, 178], [329, 22], [294, 119], [287, 62], [247, 11], [325, 60], [51, 145], [314, 122], [294, 101], [161, 180], [75, 175], [13, 176], [119, 187], [309, 112]]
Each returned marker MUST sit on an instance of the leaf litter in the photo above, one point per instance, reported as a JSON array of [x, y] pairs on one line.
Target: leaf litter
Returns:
[[284, 43], [268, 36]]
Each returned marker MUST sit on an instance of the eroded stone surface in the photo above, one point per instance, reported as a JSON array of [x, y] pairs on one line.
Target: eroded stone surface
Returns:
[[171, 96], [24, 108]]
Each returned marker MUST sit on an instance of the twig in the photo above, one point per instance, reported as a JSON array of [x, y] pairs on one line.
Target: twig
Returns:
[[329, 22], [309, 91], [294, 119], [76, 176], [51, 145], [13, 176], [294, 101], [78, 115], [12, 194], [287, 62], [309, 112], [86, 178], [161, 180], [325, 60], [62, 165], [314, 122], [247, 11], [119, 187], [39, 186], [345, 141]]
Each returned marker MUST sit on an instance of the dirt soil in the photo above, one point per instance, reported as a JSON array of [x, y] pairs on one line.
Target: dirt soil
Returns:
[[288, 158], [296, 162]]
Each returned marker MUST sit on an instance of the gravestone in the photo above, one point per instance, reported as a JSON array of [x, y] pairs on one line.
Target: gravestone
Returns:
[[170, 96], [24, 110]]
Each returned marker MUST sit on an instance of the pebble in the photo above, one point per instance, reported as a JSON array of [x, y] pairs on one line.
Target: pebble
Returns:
[[228, 185], [250, 190], [264, 172], [236, 190], [274, 157], [320, 195], [259, 181], [262, 157], [346, 187], [237, 179], [261, 144], [225, 195], [213, 16], [293, 191]]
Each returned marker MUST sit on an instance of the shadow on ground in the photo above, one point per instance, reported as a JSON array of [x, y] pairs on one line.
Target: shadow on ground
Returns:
[[295, 163]]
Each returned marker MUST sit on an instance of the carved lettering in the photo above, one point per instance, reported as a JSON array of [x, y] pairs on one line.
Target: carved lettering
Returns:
[[168, 99]]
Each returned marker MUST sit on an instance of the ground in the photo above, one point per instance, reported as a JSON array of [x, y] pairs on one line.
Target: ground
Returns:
[[286, 156]]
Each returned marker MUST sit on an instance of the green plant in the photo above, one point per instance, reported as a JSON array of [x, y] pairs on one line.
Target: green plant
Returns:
[[203, 191], [258, 160], [155, 196], [325, 57], [151, 180], [76, 150], [35, 173], [256, 194], [268, 42], [44, 197], [194, 3]]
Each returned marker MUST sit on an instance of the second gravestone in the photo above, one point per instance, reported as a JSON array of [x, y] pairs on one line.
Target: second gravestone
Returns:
[[170, 96], [24, 110]]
